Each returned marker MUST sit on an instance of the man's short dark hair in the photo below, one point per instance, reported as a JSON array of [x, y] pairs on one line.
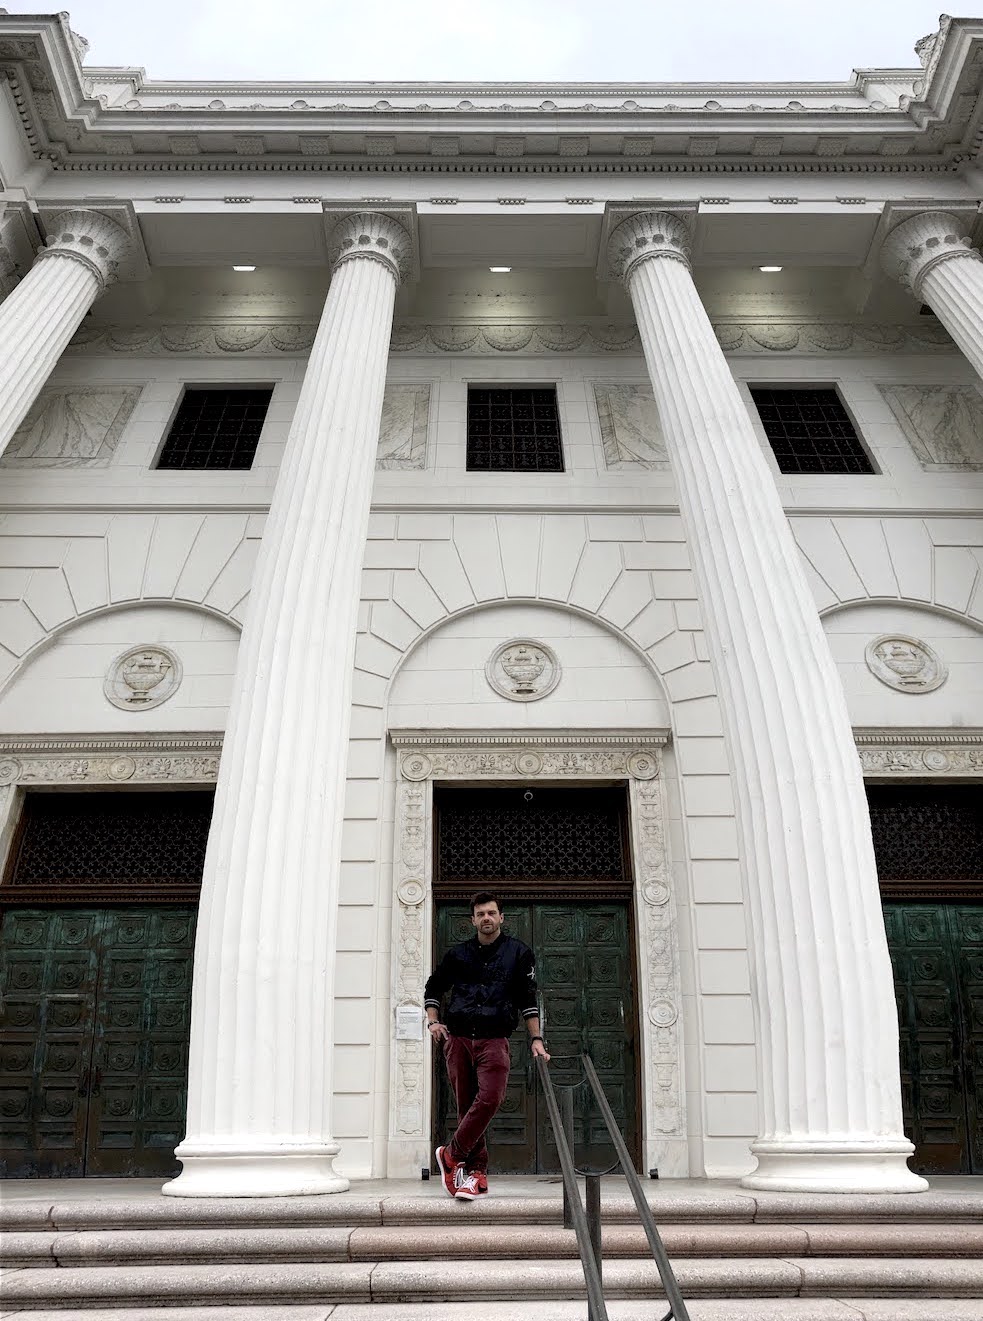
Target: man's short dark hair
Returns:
[[485, 897]]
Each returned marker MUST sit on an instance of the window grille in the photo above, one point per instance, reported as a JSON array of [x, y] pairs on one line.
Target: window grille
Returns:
[[810, 431], [503, 835], [513, 430], [927, 832], [122, 839], [216, 429]]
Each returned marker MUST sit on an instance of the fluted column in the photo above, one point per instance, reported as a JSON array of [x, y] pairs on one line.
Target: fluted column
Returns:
[[40, 316], [259, 1092], [827, 1025], [931, 255]]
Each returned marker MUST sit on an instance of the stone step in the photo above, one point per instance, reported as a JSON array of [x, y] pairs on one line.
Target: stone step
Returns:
[[433, 1208], [231, 1244], [743, 1309], [499, 1281]]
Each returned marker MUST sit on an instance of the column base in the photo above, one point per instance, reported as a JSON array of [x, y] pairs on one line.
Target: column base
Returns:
[[242, 1171], [834, 1167]]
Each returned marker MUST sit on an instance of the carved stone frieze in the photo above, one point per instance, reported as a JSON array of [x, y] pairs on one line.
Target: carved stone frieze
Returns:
[[919, 754], [594, 339], [426, 758], [164, 759]]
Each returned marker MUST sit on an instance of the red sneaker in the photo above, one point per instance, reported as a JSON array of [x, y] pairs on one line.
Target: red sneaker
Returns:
[[451, 1171], [467, 1188], [472, 1187]]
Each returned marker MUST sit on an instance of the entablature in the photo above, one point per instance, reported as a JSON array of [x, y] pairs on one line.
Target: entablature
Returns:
[[111, 120]]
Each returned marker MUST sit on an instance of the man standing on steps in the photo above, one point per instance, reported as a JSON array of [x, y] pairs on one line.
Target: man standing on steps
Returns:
[[492, 982]]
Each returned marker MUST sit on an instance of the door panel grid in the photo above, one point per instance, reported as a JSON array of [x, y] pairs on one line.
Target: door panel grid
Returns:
[[96, 1006]]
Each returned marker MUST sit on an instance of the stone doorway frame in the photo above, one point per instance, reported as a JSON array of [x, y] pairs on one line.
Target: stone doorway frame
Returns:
[[481, 757]]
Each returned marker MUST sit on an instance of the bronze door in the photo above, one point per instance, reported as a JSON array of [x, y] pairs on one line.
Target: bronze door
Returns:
[[95, 1019], [584, 967], [937, 953], [928, 840]]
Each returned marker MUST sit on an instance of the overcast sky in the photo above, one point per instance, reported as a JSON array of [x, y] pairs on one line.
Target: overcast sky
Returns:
[[534, 40]]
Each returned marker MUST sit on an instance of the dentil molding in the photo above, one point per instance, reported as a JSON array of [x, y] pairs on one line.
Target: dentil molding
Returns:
[[294, 338]]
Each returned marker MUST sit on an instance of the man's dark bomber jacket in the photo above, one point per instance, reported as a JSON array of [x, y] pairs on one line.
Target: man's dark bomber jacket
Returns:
[[490, 986]]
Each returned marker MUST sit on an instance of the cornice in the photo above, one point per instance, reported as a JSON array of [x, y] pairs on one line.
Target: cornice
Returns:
[[112, 120], [257, 338]]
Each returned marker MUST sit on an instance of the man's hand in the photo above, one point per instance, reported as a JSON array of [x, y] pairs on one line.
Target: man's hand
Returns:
[[539, 1050], [438, 1031]]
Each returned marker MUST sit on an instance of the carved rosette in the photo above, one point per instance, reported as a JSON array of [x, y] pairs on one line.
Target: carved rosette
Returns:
[[920, 244], [91, 239], [371, 234], [649, 234]]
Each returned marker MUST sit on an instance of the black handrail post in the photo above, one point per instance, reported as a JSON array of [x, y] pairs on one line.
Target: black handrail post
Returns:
[[566, 1109], [594, 1219]]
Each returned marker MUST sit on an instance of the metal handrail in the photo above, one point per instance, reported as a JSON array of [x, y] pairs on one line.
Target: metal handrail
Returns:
[[677, 1308], [596, 1310]]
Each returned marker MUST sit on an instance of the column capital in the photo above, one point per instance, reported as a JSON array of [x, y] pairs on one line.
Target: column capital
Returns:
[[921, 243], [375, 235], [90, 238], [648, 234]]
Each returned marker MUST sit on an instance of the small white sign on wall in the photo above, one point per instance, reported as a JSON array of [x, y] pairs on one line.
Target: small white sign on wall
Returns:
[[409, 1023]]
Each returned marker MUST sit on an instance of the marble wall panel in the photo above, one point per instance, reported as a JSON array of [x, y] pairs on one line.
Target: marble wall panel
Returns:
[[943, 424], [403, 431], [74, 426], [630, 429]]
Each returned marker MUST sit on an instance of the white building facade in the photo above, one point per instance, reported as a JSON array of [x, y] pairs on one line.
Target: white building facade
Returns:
[[398, 461]]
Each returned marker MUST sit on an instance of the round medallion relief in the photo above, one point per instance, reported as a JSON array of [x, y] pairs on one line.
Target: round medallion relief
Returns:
[[410, 893], [662, 1013], [529, 763], [142, 677], [523, 670], [642, 765], [416, 766], [905, 664]]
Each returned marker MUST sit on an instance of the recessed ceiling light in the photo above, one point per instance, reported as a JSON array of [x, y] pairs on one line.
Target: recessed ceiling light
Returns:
[[769, 269], [243, 268], [499, 270]]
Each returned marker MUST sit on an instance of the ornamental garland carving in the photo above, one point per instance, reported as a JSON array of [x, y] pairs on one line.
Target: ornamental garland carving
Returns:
[[110, 761], [640, 762], [294, 339]]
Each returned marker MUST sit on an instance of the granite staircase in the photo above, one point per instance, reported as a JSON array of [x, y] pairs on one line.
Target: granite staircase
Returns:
[[397, 1257]]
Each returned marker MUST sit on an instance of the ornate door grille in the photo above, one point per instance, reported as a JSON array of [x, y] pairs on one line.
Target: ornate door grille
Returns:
[[112, 847], [569, 841]]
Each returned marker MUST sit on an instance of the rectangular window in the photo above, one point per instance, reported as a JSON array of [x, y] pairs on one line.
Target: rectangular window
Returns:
[[513, 430], [216, 428], [810, 430]]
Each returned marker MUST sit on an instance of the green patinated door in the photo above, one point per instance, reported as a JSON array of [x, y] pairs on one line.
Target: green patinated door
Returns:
[[95, 1014], [583, 966], [96, 944], [928, 840], [559, 858], [937, 953]]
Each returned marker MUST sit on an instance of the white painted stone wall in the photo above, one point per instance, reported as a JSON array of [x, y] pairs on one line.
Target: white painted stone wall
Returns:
[[94, 558]]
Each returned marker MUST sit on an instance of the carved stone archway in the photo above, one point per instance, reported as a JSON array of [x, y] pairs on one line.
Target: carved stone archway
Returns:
[[634, 758]]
